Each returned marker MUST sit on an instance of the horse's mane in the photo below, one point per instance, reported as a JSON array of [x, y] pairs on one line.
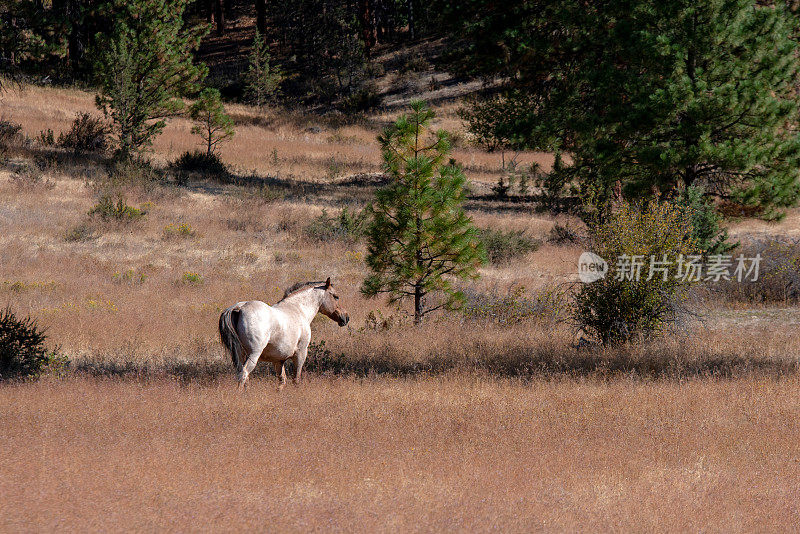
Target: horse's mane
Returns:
[[298, 287]]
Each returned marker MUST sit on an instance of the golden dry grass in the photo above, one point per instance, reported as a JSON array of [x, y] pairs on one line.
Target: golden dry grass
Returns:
[[446, 453], [437, 437], [273, 143]]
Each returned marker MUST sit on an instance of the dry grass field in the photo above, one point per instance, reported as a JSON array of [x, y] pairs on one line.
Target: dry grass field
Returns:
[[467, 423], [446, 453]]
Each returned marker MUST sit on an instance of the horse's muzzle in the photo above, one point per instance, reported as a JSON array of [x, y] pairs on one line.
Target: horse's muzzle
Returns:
[[344, 318]]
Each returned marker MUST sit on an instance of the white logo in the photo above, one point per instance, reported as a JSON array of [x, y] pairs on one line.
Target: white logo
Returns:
[[591, 267]]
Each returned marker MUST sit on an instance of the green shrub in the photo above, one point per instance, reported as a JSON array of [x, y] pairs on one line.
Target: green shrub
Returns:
[[621, 306], [46, 138], [347, 226], [504, 246], [22, 349], [191, 278], [201, 162], [86, 134], [553, 185], [513, 175], [182, 230], [109, 209]]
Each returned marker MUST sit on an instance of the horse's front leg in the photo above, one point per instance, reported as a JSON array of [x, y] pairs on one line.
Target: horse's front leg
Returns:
[[280, 370], [299, 360]]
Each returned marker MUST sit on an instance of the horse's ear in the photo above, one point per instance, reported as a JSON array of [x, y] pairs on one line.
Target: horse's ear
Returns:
[[328, 283]]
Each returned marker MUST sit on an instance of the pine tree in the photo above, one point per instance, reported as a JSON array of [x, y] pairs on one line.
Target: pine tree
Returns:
[[419, 238], [262, 79], [652, 92], [144, 66], [212, 124]]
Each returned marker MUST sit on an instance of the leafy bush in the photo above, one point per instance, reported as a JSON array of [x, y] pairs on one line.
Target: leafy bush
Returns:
[[109, 209], [504, 246], [778, 274], [622, 306], [202, 163], [87, 134], [347, 226], [22, 348]]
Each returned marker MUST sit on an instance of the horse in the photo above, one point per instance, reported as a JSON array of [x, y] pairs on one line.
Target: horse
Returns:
[[251, 329]]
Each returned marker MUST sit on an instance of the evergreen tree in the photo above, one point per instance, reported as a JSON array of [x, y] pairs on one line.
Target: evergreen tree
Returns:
[[144, 66], [212, 124], [707, 232], [651, 92], [325, 38], [262, 79], [29, 39], [419, 237]]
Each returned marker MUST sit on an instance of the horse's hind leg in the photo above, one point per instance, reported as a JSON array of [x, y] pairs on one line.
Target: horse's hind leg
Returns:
[[247, 367], [280, 370]]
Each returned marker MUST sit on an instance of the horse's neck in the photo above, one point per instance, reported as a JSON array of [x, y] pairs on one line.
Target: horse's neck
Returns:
[[307, 302]]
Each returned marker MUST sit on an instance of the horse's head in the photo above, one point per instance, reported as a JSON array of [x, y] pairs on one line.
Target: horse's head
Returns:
[[330, 305]]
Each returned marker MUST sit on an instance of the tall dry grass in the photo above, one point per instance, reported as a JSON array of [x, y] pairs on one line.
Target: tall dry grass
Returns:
[[446, 453]]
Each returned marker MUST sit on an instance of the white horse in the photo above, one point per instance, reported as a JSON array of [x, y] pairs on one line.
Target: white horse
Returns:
[[251, 330]]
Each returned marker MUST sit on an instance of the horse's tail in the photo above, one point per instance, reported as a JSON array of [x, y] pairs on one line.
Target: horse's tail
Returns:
[[227, 334]]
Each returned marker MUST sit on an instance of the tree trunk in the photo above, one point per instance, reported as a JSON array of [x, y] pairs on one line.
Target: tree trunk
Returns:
[[261, 17], [367, 26], [411, 30], [219, 15], [418, 312]]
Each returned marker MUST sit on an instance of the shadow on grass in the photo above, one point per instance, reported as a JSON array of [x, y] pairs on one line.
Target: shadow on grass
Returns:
[[649, 362]]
